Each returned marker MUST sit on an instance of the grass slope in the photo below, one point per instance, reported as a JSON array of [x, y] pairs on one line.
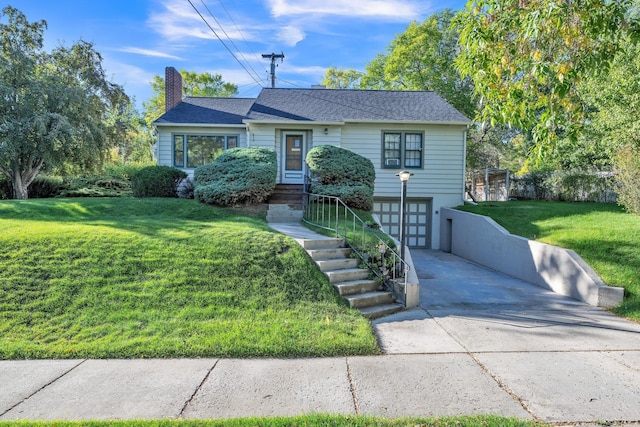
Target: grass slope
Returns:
[[125, 278], [606, 237]]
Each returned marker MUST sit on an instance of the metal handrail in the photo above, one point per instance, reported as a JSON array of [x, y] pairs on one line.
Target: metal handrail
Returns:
[[331, 213]]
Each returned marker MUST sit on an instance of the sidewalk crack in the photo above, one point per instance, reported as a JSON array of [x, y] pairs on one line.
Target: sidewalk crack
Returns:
[[193, 395], [352, 388], [42, 388]]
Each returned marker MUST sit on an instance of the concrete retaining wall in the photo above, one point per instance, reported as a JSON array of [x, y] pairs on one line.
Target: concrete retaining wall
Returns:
[[481, 240]]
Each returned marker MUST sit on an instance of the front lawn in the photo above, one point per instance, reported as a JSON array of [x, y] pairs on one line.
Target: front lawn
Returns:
[[606, 237], [128, 278]]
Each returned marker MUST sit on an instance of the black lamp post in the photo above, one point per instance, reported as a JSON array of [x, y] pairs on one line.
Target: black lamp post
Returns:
[[404, 177]]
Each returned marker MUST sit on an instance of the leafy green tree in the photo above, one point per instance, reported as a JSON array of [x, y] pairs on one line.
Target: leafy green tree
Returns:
[[340, 78], [134, 138], [52, 105], [422, 58], [613, 130], [526, 59], [193, 84]]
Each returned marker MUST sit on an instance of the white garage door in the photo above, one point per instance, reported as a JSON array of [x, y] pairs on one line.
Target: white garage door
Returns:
[[418, 220]]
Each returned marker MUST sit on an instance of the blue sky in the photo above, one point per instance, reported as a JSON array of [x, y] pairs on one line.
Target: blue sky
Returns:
[[139, 38]]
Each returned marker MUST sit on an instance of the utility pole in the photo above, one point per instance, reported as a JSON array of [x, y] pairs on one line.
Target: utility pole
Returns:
[[273, 57]]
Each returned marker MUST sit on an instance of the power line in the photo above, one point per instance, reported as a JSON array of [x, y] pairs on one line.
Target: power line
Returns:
[[240, 32], [223, 43], [229, 38]]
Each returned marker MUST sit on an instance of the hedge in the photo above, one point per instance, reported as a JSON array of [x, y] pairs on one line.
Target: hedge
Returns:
[[41, 187], [342, 173], [239, 176], [157, 181]]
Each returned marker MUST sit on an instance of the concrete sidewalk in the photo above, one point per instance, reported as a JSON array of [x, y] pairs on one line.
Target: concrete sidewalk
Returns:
[[480, 343]]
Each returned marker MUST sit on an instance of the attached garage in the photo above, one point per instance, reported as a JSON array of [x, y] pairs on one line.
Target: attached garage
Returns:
[[419, 219]]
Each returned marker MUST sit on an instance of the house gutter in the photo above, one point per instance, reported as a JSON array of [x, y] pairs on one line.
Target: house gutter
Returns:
[[409, 122], [202, 125], [293, 122], [340, 123]]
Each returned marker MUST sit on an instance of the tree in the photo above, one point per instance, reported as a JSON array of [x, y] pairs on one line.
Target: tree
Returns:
[[527, 58], [340, 78], [134, 138], [422, 58], [52, 105], [193, 84]]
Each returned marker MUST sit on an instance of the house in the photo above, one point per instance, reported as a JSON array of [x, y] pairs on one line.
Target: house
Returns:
[[396, 130]]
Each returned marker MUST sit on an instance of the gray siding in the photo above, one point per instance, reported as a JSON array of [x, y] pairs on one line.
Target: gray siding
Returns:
[[443, 159]]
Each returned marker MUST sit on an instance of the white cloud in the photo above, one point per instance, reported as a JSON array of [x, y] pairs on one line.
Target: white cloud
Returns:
[[127, 74], [386, 9], [177, 19], [291, 35], [149, 52]]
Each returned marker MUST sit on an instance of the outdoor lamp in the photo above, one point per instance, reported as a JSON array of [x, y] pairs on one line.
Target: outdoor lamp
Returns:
[[404, 177]]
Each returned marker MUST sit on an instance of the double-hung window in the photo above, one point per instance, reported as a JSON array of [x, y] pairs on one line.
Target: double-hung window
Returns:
[[191, 151], [402, 150]]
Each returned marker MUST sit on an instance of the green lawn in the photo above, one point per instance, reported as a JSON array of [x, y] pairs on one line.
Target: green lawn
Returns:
[[606, 237], [128, 278], [302, 421]]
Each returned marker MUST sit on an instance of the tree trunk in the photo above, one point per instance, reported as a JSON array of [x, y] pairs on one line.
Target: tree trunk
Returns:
[[20, 190], [22, 179]]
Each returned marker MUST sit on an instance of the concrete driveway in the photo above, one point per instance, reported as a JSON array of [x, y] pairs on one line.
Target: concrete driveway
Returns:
[[559, 359]]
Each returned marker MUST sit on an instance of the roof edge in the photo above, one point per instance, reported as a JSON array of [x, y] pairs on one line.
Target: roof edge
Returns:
[[203, 125], [293, 122]]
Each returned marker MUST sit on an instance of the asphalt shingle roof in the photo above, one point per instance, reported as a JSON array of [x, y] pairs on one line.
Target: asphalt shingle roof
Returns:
[[317, 105], [352, 105], [201, 110]]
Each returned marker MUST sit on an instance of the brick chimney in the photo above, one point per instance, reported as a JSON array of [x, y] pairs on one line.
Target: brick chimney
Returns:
[[172, 87]]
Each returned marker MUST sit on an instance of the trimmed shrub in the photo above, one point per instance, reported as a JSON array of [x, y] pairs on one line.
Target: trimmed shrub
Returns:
[[342, 173], [354, 196], [6, 189], [96, 186], [239, 176], [44, 187], [332, 165], [157, 181]]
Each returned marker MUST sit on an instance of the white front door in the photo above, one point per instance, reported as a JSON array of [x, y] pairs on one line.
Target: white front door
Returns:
[[294, 152]]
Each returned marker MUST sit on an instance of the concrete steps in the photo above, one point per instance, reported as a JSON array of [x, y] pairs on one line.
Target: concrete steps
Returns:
[[287, 194], [285, 204], [353, 283], [284, 213]]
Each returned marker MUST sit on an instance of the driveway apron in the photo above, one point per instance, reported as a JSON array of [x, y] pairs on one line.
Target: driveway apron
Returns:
[[560, 359]]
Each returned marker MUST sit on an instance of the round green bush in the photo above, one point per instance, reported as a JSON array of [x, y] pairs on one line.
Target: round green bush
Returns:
[[157, 181], [239, 176], [339, 172], [335, 165]]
